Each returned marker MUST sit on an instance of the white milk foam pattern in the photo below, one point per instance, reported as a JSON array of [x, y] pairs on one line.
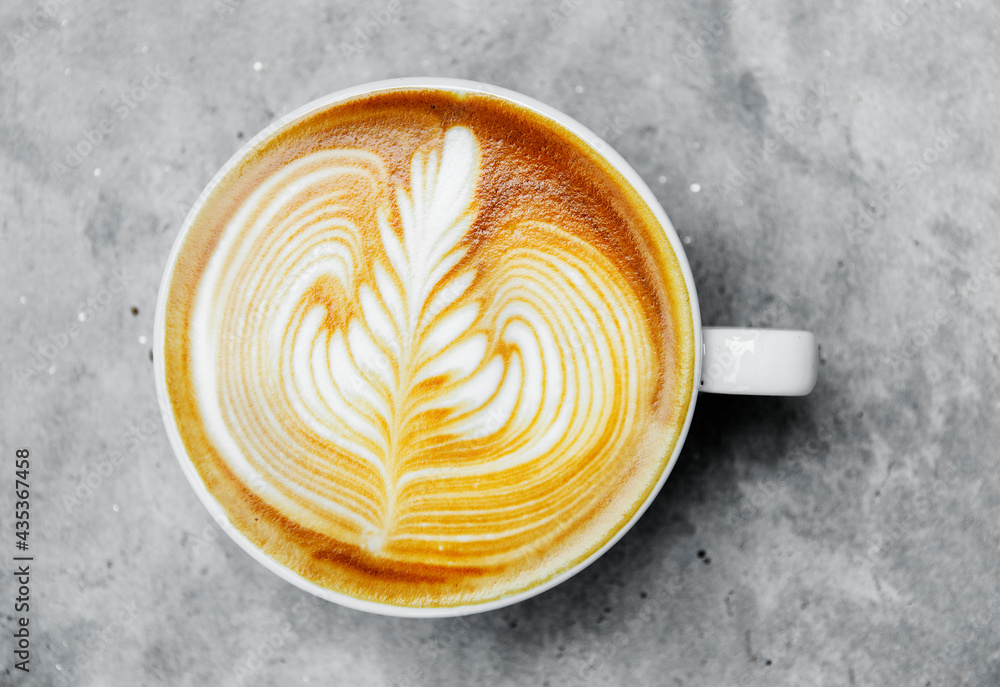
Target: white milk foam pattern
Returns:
[[426, 398]]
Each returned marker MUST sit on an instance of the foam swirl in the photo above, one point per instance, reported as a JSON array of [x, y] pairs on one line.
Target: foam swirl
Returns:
[[386, 378]]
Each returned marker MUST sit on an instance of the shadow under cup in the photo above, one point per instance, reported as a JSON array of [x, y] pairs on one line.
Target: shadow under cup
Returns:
[[427, 347]]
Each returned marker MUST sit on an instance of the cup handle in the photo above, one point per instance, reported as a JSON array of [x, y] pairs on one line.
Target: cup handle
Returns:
[[758, 362]]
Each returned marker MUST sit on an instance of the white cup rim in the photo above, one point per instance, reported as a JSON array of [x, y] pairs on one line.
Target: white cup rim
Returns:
[[455, 86]]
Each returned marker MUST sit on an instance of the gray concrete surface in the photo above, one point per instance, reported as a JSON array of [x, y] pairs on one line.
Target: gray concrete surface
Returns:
[[835, 167]]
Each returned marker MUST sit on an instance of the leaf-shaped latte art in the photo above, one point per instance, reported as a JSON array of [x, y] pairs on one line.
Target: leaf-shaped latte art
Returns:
[[373, 374]]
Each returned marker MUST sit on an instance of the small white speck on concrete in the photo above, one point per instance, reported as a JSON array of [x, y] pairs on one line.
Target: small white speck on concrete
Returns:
[[81, 316], [52, 370], [826, 53], [687, 240], [662, 179], [58, 667], [258, 66], [143, 339], [23, 300], [144, 49], [115, 508], [578, 89], [68, 71], [97, 171], [695, 187], [64, 22]]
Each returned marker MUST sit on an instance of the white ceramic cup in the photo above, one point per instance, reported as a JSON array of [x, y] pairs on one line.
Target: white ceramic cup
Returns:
[[763, 362]]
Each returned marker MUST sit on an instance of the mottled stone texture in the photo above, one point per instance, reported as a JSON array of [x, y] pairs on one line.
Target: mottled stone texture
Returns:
[[834, 167]]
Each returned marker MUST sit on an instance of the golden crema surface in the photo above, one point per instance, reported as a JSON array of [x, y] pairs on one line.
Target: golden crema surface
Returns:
[[427, 349]]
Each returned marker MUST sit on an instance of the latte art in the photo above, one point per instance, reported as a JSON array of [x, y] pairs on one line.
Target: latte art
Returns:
[[426, 392]]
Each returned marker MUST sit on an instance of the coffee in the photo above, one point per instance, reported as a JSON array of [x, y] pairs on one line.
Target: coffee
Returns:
[[427, 349]]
